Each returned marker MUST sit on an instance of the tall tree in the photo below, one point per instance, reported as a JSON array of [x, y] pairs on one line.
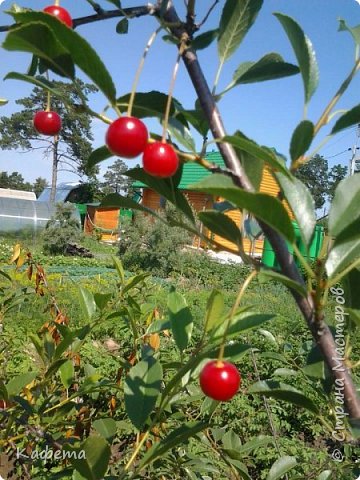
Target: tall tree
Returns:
[[316, 177], [15, 181], [39, 185], [321, 181], [336, 174], [115, 180], [70, 149]]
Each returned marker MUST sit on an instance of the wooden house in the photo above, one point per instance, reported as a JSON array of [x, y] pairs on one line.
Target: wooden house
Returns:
[[192, 173], [105, 221]]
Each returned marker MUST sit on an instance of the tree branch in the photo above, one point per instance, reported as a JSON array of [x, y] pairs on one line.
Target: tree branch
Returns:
[[320, 331], [131, 12]]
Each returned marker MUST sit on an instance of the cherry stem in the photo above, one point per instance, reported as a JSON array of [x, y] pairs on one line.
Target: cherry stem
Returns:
[[139, 70], [242, 290], [57, 3], [171, 91], [48, 102]]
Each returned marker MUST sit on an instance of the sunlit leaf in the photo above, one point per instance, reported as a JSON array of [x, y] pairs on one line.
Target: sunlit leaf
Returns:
[[141, 390], [304, 53], [281, 467], [236, 19]]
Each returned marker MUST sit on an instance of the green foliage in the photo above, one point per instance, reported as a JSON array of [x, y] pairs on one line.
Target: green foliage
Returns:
[[319, 180], [151, 245], [61, 229]]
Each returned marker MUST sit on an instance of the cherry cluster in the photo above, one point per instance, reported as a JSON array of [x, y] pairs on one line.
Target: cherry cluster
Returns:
[[128, 137], [48, 122]]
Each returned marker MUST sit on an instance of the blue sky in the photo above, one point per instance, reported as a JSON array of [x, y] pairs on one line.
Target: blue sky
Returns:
[[268, 112]]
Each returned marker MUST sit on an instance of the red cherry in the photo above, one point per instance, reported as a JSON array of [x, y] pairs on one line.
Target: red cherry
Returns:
[[60, 13], [220, 380], [2, 405], [127, 137], [47, 123], [160, 160]]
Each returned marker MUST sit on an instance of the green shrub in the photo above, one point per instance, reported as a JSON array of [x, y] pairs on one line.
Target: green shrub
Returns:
[[151, 245], [61, 229]]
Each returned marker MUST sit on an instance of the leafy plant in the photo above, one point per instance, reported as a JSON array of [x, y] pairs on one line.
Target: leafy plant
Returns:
[[62, 229]]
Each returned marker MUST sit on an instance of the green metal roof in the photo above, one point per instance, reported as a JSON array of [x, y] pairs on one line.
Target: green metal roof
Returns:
[[193, 172]]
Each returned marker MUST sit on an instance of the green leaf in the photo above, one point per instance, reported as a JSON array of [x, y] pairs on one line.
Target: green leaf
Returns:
[[240, 451], [197, 119], [102, 299], [315, 365], [354, 31], [16, 384], [325, 475], [164, 187], [268, 335], [97, 156], [236, 19], [122, 26], [301, 203], [262, 153], [341, 256], [272, 275], [180, 318], [81, 52], [304, 53], [214, 310], [352, 117], [265, 207], [39, 39], [301, 139], [5, 275], [69, 338], [285, 372], [204, 39], [231, 441], [176, 438], [344, 212], [117, 3], [351, 285], [221, 224], [282, 391], [67, 372], [241, 322], [270, 67], [149, 104], [281, 467], [119, 268], [39, 81], [87, 303], [106, 427], [141, 390], [133, 281], [92, 458], [158, 326], [182, 134]]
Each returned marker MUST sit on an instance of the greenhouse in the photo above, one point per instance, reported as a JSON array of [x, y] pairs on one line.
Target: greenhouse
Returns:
[[17, 214]]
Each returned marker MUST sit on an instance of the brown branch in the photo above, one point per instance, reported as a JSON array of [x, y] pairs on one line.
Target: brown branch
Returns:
[[131, 12], [320, 331]]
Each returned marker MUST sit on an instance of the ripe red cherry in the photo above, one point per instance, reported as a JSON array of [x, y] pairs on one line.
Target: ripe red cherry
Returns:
[[160, 160], [47, 123], [2, 404], [60, 13], [220, 380], [127, 137]]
